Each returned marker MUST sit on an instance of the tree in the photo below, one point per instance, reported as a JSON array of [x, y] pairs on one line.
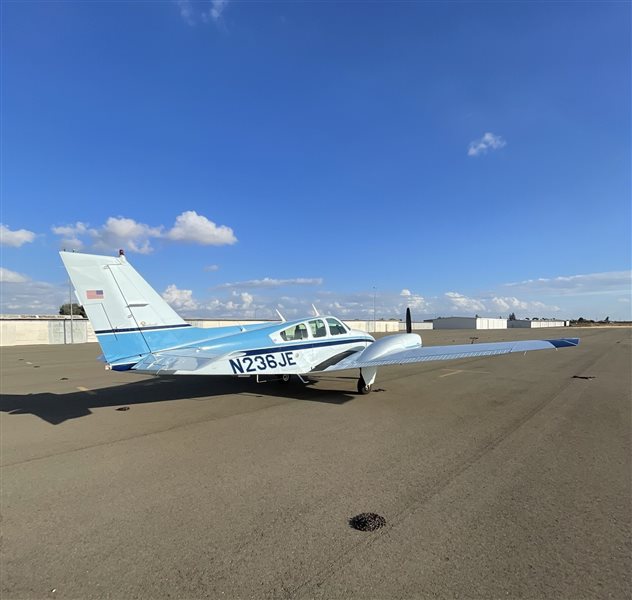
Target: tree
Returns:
[[77, 310], [512, 317]]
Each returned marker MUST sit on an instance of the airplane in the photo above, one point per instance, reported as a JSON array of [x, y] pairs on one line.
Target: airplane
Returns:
[[138, 331]]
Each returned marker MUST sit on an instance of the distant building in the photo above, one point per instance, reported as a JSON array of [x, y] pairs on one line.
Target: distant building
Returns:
[[539, 323], [469, 323]]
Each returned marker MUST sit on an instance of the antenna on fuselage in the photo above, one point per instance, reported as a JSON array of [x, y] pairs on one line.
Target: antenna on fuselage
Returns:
[[280, 315], [316, 313]]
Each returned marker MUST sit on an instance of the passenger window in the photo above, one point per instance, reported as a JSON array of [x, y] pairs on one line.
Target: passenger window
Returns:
[[296, 332], [336, 327], [317, 327]]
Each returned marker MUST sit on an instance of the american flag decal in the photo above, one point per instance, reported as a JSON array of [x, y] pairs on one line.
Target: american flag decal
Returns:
[[94, 294]]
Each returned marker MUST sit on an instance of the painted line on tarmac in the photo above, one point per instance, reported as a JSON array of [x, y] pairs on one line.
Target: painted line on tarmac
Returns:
[[86, 390], [457, 371]]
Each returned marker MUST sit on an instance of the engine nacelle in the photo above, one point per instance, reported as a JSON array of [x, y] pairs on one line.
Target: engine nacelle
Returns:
[[391, 344]]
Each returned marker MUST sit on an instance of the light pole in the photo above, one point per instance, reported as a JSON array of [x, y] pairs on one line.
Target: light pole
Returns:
[[374, 319], [72, 334]]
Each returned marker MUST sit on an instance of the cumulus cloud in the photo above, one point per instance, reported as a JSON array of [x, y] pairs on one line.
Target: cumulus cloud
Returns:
[[70, 235], [126, 233], [8, 276], [489, 141], [511, 303], [413, 301], [120, 232], [463, 303], [508, 303], [15, 238], [211, 268], [269, 282], [191, 227], [178, 298]]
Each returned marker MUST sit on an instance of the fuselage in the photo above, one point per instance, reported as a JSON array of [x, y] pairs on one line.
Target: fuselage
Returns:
[[292, 347]]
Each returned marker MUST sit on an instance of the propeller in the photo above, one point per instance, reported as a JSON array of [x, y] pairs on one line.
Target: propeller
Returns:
[[409, 321]]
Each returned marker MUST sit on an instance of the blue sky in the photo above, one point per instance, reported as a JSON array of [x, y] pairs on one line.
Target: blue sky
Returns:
[[457, 157]]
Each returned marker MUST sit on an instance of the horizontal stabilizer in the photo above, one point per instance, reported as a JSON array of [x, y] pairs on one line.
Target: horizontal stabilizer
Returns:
[[165, 363]]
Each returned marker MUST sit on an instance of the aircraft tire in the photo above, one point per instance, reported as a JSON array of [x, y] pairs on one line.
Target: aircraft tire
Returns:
[[363, 388], [284, 378]]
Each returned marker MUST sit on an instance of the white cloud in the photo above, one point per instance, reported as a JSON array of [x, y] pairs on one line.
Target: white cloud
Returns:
[[15, 238], [8, 276], [592, 283], [511, 303], [217, 8], [412, 301], [121, 232], [269, 282], [463, 303], [212, 11], [126, 233], [70, 235], [186, 11], [245, 298], [191, 227], [178, 298], [211, 268], [487, 142]]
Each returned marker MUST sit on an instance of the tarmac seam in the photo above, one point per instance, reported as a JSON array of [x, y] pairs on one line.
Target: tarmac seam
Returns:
[[343, 559]]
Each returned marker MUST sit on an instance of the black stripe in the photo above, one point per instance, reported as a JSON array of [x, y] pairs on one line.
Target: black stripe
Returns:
[[334, 360], [151, 328]]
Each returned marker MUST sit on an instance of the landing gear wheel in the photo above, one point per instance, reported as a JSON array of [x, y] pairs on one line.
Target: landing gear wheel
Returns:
[[363, 388], [284, 378]]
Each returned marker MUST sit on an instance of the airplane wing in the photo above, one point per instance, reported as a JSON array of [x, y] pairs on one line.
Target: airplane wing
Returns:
[[429, 353]]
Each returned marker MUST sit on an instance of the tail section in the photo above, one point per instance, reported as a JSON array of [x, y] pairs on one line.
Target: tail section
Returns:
[[129, 318]]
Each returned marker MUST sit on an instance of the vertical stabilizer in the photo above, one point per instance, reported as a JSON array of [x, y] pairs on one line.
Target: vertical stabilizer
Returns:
[[124, 310]]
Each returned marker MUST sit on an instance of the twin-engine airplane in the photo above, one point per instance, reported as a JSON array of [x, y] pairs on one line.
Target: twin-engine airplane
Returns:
[[139, 331]]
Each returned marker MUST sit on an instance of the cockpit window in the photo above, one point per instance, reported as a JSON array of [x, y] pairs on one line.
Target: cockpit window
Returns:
[[317, 327], [336, 327], [296, 332]]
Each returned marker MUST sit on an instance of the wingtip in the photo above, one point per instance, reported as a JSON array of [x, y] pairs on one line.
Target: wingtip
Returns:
[[564, 342]]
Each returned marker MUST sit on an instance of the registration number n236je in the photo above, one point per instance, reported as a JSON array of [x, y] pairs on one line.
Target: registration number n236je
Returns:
[[261, 362]]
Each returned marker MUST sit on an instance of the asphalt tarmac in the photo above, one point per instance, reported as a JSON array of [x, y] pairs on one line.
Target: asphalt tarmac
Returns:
[[499, 477]]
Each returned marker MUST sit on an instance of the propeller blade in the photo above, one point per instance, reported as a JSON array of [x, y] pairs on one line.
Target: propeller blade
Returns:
[[409, 321]]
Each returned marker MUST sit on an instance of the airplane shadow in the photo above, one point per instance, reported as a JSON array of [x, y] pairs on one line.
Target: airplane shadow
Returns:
[[57, 408]]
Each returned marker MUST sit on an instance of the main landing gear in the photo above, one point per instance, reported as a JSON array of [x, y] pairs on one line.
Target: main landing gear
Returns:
[[367, 378], [363, 388]]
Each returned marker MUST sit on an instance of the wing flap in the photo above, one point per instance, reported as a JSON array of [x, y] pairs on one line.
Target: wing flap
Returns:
[[454, 352]]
